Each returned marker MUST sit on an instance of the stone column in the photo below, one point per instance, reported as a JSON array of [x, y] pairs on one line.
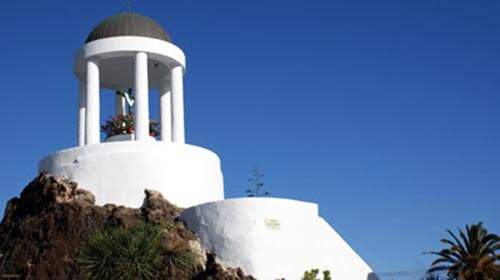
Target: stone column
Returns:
[[166, 111], [141, 97], [92, 132], [82, 107], [177, 105]]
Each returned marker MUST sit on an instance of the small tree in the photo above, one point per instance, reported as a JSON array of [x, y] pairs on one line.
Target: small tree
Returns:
[[257, 184]]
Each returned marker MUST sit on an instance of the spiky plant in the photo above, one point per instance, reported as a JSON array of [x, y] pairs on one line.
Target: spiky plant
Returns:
[[124, 253], [181, 258], [473, 256]]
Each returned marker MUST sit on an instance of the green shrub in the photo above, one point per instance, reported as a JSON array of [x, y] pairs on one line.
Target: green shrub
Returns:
[[313, 275], [326, 275], [183, 259], [137, 252]]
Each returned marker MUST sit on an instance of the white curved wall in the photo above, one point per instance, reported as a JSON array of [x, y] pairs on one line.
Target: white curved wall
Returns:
[[118, 172], [273, 238]]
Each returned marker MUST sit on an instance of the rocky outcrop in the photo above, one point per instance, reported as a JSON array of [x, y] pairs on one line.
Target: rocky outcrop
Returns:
[[43, 230]]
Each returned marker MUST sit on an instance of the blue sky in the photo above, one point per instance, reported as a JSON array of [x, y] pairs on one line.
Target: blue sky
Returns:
[[385, 113]]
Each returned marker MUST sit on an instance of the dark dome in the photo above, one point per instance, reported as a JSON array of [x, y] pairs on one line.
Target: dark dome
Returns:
[[128, 24]]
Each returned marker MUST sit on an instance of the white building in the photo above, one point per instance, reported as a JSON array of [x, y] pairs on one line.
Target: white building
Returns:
[[268, 238]]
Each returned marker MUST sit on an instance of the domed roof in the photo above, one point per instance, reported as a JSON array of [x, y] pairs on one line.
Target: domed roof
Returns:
[[128, 24]]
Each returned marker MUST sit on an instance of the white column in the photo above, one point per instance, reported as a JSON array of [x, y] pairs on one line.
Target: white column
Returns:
[[82, 106], [177, 105], [165, 112], [92, 131], [141, 97], [120, 108]]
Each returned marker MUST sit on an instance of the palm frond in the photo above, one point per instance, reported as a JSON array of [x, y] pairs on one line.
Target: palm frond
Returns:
[[471, 254]]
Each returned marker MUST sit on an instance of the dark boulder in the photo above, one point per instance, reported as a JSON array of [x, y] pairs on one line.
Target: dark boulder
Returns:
[[43, 230]]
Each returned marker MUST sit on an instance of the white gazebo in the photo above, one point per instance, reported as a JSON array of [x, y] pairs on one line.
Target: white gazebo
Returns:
[[131, 51]]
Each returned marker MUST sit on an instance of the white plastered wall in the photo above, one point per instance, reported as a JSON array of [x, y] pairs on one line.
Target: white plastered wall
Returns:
[[118, 172], [273, 238]]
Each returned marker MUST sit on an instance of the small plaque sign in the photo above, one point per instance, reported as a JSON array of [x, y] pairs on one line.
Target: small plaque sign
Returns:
[[273, 224]]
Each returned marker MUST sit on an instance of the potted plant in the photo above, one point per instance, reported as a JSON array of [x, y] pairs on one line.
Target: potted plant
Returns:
[[154, 128], [124, 124]]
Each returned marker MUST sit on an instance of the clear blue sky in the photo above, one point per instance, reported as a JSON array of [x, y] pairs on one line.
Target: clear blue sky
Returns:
[[386, 113]]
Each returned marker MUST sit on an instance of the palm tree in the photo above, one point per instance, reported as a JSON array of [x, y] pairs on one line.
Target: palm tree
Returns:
[[431, 276], [474, 257]]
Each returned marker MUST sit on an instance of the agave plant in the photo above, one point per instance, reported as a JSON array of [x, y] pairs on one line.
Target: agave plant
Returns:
[[257, 183], [472, 255], [181, 259], [137, 252]]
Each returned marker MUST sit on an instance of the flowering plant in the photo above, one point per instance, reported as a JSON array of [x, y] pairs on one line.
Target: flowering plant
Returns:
[[154, 128], [124, 124]]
